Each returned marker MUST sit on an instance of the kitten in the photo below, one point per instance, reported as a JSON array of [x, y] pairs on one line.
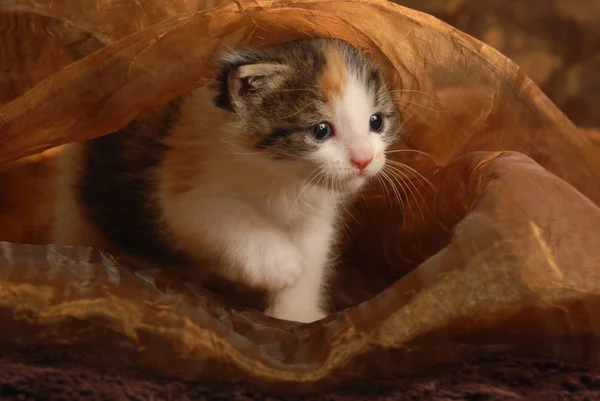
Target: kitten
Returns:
[[249, 172]]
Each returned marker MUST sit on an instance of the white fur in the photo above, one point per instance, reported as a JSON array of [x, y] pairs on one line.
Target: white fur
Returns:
[[273, 229], [273, 226]]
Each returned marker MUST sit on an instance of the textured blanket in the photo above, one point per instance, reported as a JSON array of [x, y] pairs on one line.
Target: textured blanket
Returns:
[[65, 375]]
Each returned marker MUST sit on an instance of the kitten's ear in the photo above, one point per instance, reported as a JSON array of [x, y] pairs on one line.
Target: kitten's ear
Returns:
[[253, 80]]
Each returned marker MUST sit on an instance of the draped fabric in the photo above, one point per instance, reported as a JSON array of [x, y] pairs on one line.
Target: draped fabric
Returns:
[[487, 242]]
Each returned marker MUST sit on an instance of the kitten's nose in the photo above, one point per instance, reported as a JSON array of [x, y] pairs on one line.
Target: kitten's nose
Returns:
[[361, 163]]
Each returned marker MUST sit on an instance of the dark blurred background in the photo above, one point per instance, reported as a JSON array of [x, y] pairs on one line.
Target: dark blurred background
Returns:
[[556, 42]]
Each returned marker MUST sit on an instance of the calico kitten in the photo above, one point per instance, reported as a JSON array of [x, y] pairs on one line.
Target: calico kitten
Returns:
[[249, 173]]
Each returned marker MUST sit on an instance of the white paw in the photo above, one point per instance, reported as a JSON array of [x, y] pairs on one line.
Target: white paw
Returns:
[[272, 262], [298, 314]]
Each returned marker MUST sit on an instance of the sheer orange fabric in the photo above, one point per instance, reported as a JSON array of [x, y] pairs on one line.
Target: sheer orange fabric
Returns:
[[492, 243]]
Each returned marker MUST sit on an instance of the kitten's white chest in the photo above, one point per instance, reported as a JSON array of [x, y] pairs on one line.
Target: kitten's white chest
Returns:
[[295, 209]]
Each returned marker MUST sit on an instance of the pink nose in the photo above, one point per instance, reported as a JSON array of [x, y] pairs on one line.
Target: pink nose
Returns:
[[361, 163]]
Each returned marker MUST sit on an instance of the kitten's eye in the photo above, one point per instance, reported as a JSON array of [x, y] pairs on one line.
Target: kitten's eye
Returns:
[[376, 122], [321, 131]]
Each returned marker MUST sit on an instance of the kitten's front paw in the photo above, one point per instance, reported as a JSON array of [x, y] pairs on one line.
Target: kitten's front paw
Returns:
[[273, 263]]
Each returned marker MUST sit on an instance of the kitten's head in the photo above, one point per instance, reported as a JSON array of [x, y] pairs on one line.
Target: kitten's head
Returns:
[[319, 108]]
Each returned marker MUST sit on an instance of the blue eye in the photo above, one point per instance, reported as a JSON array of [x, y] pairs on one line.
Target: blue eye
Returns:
[[321, 131], [376, 122]]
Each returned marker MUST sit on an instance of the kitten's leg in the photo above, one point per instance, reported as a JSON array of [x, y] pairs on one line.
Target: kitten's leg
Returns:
[[303, 301], [261, 255]]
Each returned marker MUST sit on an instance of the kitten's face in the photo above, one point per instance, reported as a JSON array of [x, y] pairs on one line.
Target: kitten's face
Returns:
[[319, 108]]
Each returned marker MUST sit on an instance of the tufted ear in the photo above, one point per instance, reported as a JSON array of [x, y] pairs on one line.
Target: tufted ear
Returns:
[[250, 81]]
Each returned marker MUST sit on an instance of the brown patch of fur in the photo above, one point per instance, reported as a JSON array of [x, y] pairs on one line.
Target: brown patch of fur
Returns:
[[71, 226], [335, 75], [180, 165], [183, 161]]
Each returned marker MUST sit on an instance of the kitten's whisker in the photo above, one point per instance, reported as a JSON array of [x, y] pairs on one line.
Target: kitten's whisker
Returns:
[[394, 167], [408, 103], [405, 190], [385, 182], [381, 179], [390, 178], [429, 95], [329, 183], [343, 205], [383, 88], [300, 110], [407, 180], [418, 175], [384, 187], [435, 159], [420, 178], [411, 91], [417, 113], [405, 201], [321, 177], [316, 173]]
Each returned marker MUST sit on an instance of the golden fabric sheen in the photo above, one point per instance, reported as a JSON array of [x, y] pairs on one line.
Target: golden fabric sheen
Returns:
[[498, 249]]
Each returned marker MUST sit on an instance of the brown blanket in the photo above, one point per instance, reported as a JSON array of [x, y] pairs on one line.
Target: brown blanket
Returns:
[[67, 375]]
